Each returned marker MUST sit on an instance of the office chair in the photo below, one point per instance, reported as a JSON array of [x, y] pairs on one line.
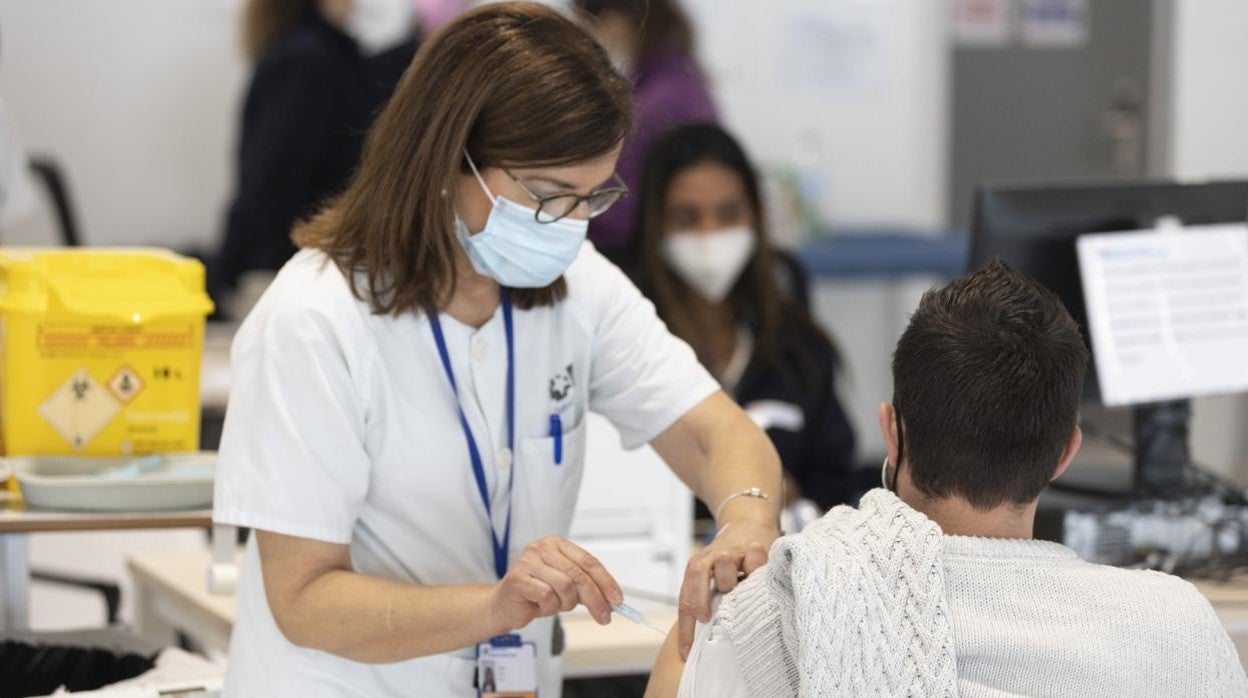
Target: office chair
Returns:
[[50, 174]]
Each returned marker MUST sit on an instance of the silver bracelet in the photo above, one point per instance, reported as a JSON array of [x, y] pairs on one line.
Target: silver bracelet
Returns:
[[750, 492]]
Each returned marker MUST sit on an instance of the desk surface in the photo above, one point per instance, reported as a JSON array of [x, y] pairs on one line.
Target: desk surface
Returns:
[[1232, 592], [592, 650], [183, 575], [16, 517]]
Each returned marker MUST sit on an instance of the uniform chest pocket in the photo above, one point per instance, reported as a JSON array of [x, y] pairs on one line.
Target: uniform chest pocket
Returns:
[[549, 485]]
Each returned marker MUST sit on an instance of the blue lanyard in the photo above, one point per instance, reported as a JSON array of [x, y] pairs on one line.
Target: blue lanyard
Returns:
[[474, 454]]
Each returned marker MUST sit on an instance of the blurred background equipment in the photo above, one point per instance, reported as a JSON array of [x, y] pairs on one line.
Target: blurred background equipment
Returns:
[[1034, 227], [1163, 502]]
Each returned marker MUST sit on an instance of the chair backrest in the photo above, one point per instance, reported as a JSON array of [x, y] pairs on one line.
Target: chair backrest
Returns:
[[52, 176]]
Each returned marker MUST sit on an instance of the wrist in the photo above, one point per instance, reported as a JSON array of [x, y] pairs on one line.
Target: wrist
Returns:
[[749, 510], [495, 620]]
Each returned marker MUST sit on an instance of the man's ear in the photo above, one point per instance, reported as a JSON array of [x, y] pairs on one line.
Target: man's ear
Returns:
[[1068, 453]]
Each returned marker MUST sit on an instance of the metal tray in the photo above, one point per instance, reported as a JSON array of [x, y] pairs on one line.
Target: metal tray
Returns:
[[92, 484]]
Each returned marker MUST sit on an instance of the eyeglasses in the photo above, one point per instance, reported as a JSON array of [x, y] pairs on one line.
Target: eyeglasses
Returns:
[[559, 206]]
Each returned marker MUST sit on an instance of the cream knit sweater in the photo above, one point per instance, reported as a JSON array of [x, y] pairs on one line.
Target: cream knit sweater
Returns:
[[855, 605], [1025, 618]]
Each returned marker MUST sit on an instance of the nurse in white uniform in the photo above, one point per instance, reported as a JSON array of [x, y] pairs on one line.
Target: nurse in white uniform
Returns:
[[406, 430]]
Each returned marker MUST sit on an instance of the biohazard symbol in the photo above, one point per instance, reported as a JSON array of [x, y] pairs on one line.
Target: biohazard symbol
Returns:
[[125, 384]]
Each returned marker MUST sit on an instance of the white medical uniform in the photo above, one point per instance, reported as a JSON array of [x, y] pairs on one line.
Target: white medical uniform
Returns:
[[342, 427]]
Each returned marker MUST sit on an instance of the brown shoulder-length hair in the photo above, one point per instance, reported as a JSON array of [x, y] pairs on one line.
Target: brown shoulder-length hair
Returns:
[[265, 21], [516, 84], [661, 24]]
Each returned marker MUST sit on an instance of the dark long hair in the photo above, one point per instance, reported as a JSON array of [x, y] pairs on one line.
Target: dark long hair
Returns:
[[661, 24], [265, 21], [781, 322], [513, 83]]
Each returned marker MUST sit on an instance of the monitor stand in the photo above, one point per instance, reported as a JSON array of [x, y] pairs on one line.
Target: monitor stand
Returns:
[[1161, 465], [1161, 449]]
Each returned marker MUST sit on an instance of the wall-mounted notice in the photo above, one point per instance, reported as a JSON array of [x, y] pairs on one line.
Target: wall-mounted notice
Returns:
[[980, 23], [837, 51], [1054, 23]]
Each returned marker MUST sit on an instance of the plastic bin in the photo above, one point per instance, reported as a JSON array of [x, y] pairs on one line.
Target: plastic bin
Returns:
[[100, 351]]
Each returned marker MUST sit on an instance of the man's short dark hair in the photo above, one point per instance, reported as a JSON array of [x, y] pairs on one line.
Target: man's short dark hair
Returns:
[[987, 378]]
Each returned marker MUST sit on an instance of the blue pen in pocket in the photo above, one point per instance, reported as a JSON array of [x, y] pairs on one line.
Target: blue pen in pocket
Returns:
[[556, 433]]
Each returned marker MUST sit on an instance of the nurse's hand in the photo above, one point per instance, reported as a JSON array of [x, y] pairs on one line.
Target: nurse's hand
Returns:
[[550, 576], [739, 548]]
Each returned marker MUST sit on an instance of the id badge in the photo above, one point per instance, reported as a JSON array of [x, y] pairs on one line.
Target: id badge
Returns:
[[507, 668]]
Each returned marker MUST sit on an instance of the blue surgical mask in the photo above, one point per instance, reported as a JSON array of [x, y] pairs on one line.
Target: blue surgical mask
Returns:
[[515, 249]]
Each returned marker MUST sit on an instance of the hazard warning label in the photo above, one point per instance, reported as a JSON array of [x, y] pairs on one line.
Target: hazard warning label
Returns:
[[125, 384], [79, 409]]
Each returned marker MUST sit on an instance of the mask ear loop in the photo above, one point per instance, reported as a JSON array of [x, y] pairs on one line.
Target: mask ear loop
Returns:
[[480, 179], [901, 447]]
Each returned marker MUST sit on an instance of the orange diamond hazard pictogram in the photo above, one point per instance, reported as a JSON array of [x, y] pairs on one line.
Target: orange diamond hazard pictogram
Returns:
[[125, 384]]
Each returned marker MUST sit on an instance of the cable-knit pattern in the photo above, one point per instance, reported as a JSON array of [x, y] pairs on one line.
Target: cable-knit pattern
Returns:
[[855, 605]]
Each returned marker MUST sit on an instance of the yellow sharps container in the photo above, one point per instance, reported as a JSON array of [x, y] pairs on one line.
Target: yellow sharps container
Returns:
[[100, 351]]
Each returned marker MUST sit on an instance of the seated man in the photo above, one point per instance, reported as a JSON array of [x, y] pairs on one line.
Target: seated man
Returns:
[[939, 588]]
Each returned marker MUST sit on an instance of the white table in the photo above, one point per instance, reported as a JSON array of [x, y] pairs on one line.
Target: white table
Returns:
[[171, 595], [17, 522]]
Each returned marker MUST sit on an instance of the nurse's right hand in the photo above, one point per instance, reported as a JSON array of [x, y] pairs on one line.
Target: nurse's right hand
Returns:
[[550, 576]]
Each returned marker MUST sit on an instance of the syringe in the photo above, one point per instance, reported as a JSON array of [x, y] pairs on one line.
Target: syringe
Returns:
[[636, 616]]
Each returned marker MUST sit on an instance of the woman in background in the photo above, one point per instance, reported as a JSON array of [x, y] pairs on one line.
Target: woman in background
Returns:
[[706, 263], [311, 98], [652, 42]]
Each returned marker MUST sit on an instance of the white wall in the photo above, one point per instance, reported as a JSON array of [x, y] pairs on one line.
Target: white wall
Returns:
[[1209, 139], [1210, 108], [138, 100], [853, 91]]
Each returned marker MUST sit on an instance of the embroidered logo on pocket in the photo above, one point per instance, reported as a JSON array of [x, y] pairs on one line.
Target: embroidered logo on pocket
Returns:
[[562, 388]]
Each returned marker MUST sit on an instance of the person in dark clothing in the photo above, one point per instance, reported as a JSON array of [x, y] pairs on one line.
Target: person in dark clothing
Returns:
[[312, 97], [706, 263], [652, 43]]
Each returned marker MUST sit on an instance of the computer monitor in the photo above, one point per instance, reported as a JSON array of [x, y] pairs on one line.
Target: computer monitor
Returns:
[[1034, 226]]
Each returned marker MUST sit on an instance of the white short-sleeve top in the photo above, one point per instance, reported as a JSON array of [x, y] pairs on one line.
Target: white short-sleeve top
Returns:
[[343, 427]]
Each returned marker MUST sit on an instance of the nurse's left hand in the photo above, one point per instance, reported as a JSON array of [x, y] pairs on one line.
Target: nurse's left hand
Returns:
[[739, 548]]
